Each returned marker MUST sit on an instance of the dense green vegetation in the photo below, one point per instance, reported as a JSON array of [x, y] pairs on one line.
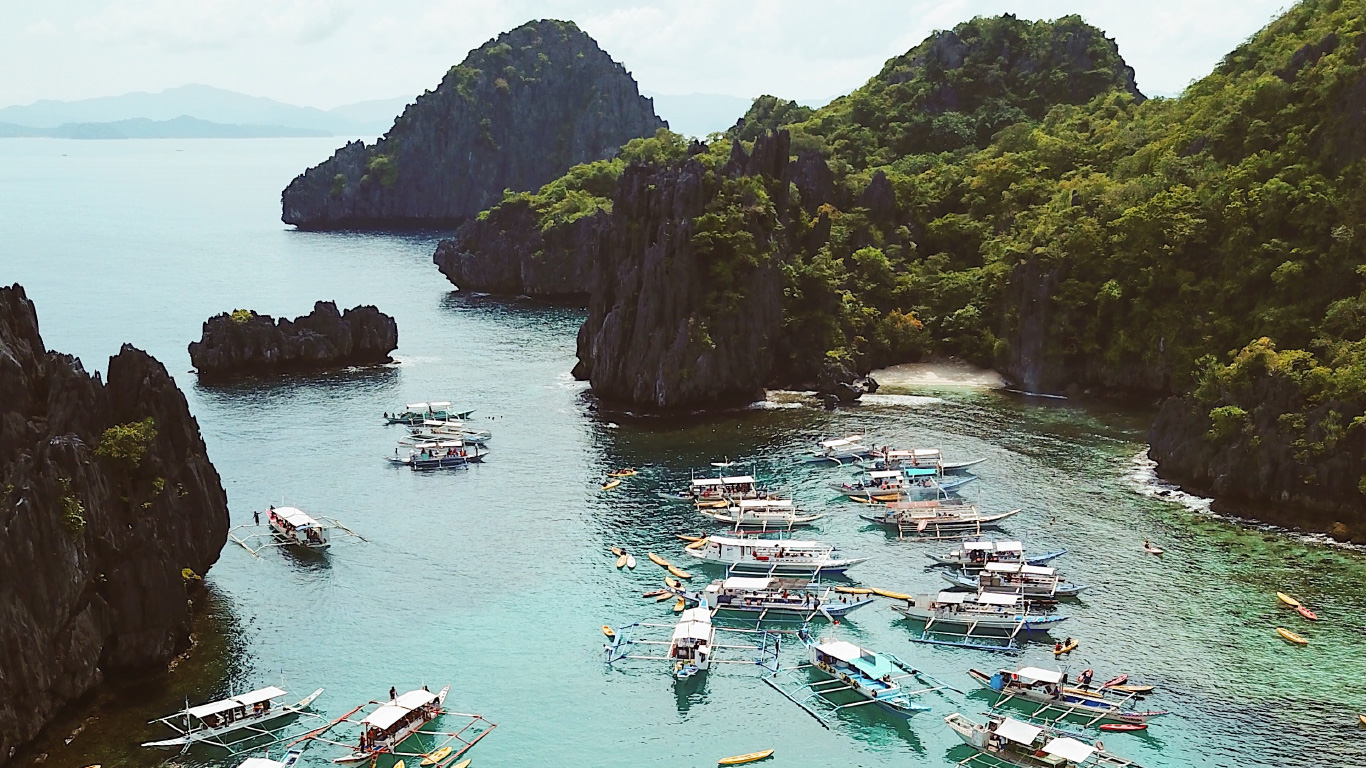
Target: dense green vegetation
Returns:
[[1018, 154]]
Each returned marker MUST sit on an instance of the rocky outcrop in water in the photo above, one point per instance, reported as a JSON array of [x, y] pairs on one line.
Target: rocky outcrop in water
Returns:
[[518, 112], [110, 512], [243, 343], [507, 252], [686, 296]]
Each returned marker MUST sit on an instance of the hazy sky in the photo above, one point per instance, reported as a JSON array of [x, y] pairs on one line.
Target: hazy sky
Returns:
[[328, 52]]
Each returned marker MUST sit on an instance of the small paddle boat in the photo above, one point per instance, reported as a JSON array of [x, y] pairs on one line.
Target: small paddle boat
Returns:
[[1306, 613], [657, 560], [1124, 726], [610, 484], [621, 561], [606, 630], [1287, 600], [1291, 636], [630, 562], [749, 757], [1066, 646], [1152, 549], [437, 756], [679, 572], [628, 472]]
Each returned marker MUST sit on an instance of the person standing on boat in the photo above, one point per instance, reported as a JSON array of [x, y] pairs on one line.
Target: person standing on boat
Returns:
[[256, 516], [393, 693]]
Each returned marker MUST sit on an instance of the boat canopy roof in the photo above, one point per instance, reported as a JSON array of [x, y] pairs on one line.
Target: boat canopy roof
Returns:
[[865, 661], [693, 624], [705, 482], [390, 713], [738, 480], [925, 504], [921, 453], [260, 762], [952, 598], [1032, 570], [747, 582], [440, 444], [883, 474], [1009, 546], [1069, 749], [918, 471], [842, 650], [244, 700], [296, 517], [759, 503], [784, 543], [979, 546], [1038, 675], [1018, 732], [997, 598], [840, 443]]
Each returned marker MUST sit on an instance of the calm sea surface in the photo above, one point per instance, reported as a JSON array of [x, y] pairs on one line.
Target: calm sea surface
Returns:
[[497, 580]]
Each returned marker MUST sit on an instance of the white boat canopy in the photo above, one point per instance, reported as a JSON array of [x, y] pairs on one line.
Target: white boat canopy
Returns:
[[885, 474], [792, 544], [245, 700], [388, 714], [997, 598], [1034, 674], [296, 517], [1032, 570], [926, 453], [1018, 732], [739, 480], [840, 443], [843, 650], [436, 405], [761, 503], [1009, 546], [747, 582], [693, 624], [1037, 570], [260, 762], [704, 482], [1069, 749], [979, 546]]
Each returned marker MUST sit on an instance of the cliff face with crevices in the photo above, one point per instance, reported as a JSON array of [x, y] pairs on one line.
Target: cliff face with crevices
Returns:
[[244, 343], [686, 295], [106, 495], [508, 252], [519, 111]]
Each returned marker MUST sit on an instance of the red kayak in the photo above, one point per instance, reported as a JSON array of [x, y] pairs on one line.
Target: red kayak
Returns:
[[1124, 727], [1306, 613], [1121, 680]]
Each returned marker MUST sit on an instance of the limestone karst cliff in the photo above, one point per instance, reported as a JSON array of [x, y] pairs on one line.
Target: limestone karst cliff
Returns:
[[107, 502], [243, 343], [519, 111]]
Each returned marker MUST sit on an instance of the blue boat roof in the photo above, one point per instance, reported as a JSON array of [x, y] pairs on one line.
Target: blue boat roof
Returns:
[[919, 472]]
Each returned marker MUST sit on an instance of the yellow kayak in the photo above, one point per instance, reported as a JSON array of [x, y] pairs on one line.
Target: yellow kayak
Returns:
[[462, 764], [746, 758], [1362, 718], [697, 544], [1288, 600], [606, 630], [618, 551], [854, 590], [713, 504], [1059, 649], [663, 597], [610, 484], [437, 756], [889, 593], [679, 572], [671, 582], [686, 537], [678, 606], [657, 560], [628, 472], [621, 561], [1291, 636], [399, 764]]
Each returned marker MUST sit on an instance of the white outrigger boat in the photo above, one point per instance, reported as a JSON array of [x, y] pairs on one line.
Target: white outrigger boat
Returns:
[[910, 484], [1049, 689], [765, 514], [984, 620], [931, 458], [295, 528], [209, 723], [975, 554], [839, 451], [718, 491], [1010, 741], [873, 678], [386, 727], [773, 557], [438, 454], [451, 429], [1031, 581], [937, 519], [414, 414], [291, 758], [798, 599], [691, 645]]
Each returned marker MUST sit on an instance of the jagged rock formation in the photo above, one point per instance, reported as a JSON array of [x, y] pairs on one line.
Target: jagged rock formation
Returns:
[[96, 525], [686, 297], [507, 252], [1261, 471], [244, 343], [519, 111]]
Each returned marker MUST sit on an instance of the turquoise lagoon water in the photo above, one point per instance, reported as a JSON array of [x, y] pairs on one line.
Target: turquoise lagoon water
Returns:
[[497, 580]]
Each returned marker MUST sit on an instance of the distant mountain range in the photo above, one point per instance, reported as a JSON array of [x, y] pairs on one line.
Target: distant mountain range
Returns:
[[202, 111], [195, 111]]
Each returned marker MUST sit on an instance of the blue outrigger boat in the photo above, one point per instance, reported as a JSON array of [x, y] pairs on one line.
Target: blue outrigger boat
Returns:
[[909, 484], [442, 454], [1029, 581], [975, 554], [413, 414]]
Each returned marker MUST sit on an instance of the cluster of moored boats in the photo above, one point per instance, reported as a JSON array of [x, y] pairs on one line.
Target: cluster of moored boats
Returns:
[[439, 437], [997, 596]]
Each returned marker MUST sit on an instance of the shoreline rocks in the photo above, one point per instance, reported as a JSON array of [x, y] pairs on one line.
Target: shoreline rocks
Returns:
[[243, 343], [517, 112], [111, 513]]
